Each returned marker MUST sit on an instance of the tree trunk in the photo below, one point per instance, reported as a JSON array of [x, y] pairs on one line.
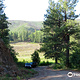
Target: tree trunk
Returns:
[[67, 52], [67, 41], [56, 55], [56, 60]]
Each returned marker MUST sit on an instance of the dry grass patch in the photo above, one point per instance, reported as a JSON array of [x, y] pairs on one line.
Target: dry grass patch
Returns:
[[25, 50]]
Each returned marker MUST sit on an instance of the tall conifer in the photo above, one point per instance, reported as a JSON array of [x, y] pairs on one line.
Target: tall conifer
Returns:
[[59, 25], [3, 24]]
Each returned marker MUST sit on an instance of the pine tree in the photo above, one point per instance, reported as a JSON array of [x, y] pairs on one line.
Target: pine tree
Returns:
[[59, 25], [35, 57], [70, 26], [52, 41], [3, 24]]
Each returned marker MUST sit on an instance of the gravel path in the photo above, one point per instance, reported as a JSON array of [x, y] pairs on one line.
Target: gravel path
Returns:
[[49, 74]]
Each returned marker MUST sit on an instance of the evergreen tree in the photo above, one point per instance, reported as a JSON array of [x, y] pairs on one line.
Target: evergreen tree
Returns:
[[59, 25], [11, 36], [52, 41], [4, 31], [3, 24], [70, 26], [35, 57]]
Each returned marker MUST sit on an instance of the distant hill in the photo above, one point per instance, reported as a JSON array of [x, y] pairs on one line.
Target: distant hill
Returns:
[[29, 25], [17, 24]]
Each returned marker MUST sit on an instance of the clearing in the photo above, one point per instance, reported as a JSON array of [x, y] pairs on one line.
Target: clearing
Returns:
[[25, 49]]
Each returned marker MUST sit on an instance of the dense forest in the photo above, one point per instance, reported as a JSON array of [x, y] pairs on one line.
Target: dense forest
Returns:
[[25, 31]]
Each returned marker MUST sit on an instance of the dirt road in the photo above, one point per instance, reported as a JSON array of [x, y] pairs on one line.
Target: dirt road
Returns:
[[49, 74]]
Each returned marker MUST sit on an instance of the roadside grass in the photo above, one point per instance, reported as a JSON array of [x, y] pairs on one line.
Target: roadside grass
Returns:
[[27, 73]]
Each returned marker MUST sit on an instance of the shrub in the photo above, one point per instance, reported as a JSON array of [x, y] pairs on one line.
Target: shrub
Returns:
[[18, 77], [35, 57], [45, 63], [59, 66]]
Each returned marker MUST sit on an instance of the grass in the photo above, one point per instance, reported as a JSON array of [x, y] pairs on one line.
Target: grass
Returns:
[[25, 50]]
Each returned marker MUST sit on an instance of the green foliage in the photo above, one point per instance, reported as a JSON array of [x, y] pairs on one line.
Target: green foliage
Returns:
[[52, 41], [13, 54], [18, 78], [27, 36], [36, 37], [35, 57], [59, 26], [59, 66], [4, 31], [75, 58], [44, 63]]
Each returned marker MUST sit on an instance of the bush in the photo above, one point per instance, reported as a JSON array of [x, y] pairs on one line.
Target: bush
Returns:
[[35, 57], [45, 63], [75, 59], [59, 66]]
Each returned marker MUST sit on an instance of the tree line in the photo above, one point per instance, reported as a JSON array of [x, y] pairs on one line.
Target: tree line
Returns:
[[26, 36]]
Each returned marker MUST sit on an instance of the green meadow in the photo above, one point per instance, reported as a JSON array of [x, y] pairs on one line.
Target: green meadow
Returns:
[[25, 49]]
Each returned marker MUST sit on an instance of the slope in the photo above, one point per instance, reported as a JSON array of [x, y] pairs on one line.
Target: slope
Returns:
[[17, 24]]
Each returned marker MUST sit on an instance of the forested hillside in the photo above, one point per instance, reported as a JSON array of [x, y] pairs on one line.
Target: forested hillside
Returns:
[[28, 31], [25, 31]]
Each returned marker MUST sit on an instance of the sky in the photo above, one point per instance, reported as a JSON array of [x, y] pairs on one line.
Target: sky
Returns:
[[28, 10]]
